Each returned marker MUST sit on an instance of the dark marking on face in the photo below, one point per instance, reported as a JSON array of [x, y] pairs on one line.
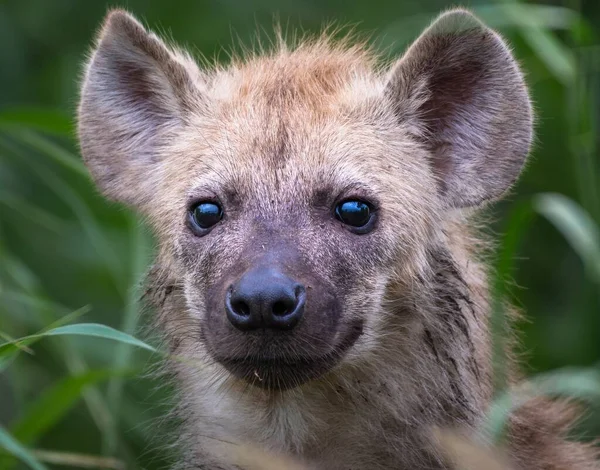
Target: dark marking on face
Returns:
[[448, 291]]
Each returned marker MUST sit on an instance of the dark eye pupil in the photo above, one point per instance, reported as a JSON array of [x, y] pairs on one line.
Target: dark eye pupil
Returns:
[[207, 214], [354, 213]]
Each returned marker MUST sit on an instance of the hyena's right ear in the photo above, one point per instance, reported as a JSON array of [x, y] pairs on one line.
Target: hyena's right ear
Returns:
[[135, 94]]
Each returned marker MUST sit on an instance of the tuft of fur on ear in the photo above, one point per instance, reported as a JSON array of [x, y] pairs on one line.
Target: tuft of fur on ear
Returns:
[[135, 93], [462, 93]]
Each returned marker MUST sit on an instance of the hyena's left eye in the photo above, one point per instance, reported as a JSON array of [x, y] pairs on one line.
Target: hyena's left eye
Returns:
[[204, 215], [356, 214]]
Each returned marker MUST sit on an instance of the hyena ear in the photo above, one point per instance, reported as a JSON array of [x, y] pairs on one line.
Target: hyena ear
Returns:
[[136, 93], [460, 91]]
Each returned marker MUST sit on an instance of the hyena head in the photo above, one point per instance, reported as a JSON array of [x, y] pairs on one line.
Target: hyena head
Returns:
[[294, 191]]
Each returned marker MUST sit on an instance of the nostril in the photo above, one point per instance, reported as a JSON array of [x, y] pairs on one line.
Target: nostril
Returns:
[[280, 308], [265, 299], [239, 312], [286, 312], [241, 308]]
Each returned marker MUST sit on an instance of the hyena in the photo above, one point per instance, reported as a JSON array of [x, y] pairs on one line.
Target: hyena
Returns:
[[313, 210]]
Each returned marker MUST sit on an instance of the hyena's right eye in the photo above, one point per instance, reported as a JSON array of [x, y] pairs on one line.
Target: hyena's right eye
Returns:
[[356, 214], [203, 215]]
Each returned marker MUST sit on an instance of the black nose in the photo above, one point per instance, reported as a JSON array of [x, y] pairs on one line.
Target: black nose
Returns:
[[265, 298]]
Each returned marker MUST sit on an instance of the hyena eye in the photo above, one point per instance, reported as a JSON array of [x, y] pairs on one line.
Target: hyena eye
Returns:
[[356, 214], [204, 215]]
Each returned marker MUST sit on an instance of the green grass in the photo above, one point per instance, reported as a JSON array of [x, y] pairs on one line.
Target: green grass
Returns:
[[74, 393]]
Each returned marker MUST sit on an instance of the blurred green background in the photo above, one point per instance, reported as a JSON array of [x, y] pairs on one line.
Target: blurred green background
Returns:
[[63, 248]]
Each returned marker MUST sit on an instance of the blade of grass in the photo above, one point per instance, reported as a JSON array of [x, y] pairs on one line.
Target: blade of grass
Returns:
[[505, 15], [10, 349], [94, 399], [13, 447], [582, 234], [83, 213], [33, 213], [35, 302], [74, 362], [18, 271], [81, 329], [48, 148], [581, 100], [46, 120], [54, 403], [139, 260], [557, 57], [576, 225], [69, 459], [8, 338], [96, 404]]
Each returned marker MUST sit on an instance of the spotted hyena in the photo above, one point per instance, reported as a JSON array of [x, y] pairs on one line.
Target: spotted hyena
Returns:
[[317, 269]]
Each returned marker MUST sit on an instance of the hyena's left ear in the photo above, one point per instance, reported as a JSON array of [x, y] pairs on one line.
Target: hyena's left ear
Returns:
[[136, 93], [461, 92]]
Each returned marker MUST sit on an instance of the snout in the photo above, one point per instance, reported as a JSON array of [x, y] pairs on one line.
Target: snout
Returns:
[[277, 323], [265, 298]]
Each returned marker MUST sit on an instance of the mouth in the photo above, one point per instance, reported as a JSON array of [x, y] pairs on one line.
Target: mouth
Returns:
[[286, 372], [278, 374]]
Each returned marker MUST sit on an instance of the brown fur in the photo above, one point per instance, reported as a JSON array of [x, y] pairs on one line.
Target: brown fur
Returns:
[[399, 314]]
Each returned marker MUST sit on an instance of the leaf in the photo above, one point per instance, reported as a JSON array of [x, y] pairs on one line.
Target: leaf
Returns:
[[48, 148], [55, 402], [99, 331], [33, 213], [576, 225], [69, 196], [7, 337], [36, 302], [535, 23], [15, 448], [70, 459], [18, 271], [46, 120], [557, 57], [10, 349], [505, 15], [139, 244], [80, 329]]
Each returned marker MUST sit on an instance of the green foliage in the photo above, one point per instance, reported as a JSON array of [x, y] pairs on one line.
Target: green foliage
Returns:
[[577, 227], [65, 253], [13, 446]]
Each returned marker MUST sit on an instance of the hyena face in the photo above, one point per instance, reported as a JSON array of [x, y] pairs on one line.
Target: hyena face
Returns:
[[294, 191]]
